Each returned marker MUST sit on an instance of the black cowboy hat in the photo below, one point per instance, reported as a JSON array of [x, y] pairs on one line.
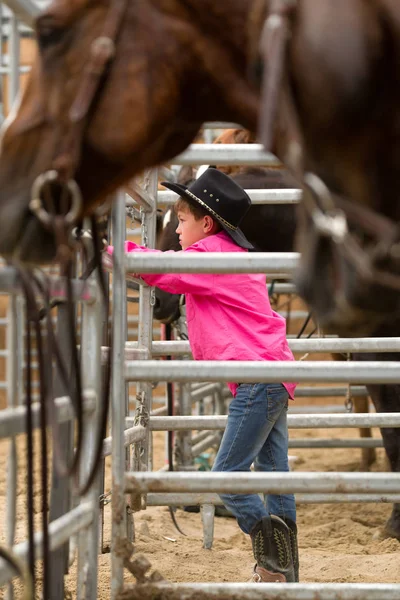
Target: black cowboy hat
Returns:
[[222, 197]]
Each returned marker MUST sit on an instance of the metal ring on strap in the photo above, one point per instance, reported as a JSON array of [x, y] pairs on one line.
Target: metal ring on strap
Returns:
[[36, 203]]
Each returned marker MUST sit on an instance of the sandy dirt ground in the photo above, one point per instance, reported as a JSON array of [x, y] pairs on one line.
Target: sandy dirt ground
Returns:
[[337, 542]]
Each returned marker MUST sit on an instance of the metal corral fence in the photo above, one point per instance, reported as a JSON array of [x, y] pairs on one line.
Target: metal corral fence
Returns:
[[135, 363]]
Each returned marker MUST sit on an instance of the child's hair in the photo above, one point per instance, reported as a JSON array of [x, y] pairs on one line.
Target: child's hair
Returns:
[[197, 211]]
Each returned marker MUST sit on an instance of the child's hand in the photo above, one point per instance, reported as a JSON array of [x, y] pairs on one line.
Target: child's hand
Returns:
[[107, 259], [107, 262]]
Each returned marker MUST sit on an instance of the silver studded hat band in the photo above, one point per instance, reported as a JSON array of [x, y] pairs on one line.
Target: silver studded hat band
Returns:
[[189, 193], [222, 197]]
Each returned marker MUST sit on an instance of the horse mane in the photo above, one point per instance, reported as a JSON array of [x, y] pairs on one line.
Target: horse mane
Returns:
[[234, 136]]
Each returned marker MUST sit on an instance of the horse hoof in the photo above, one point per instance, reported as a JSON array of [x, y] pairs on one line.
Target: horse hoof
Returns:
[[384, 533], [380, 534]]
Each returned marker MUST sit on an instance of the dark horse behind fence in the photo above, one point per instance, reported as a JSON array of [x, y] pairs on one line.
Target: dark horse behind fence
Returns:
[[120, 85]]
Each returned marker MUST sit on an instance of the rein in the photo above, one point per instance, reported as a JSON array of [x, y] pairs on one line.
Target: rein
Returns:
[[60, 223], [36, 291], [330, 214]]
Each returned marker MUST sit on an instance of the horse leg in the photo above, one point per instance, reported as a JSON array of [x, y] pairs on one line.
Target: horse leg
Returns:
[[386, 398], [368, 455]]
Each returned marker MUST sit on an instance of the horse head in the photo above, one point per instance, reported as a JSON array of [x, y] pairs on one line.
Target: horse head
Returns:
[[116, 86]]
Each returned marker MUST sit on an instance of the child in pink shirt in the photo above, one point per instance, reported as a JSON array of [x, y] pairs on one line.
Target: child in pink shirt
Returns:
[[229, 317]]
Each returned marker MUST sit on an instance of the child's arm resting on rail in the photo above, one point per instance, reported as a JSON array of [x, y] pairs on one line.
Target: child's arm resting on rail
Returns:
[[175, 283]]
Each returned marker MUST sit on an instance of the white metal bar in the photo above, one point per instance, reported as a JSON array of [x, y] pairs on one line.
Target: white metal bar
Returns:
[[267, 196], [336, 443], [328, 391], [226, 154], [91, 335], [211, 262], [26, 10], [118, 390], [221, 125], [270, 591], [14, 54], [388, 344], [14, 380], [59, 531], [314, 421], [260, 371], [131, 436], [12, 420], [189, 499], [84, 291], [261, 483], [145, 325]]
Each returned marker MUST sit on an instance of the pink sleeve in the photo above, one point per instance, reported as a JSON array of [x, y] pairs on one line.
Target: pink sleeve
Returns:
[[175, 283]]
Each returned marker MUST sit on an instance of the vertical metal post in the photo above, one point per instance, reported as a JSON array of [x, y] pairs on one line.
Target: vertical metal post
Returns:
[[14, 398], [14, 60], [118, 391], [106, 342], [184, 437], [2, 109], [208, 136], [91, 337], [146, 301], [60, 493]]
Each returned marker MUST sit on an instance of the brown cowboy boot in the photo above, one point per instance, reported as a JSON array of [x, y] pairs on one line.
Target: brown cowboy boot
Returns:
[[270, 538], [294, 546]]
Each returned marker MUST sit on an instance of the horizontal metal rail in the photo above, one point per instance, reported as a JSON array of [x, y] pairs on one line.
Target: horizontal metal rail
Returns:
[[261, 196], [221, 125], [131, 436], [227, 154], [211, 262], [60, 531], [188, 499], [315, 421], [13, 420], [140, 196], [294, 409], [258, 483], [330, 391], [336, 443], [270, 591], [84, 291], [267, 372], [25, 10], [303, 392], [203, 445], [388, 344]]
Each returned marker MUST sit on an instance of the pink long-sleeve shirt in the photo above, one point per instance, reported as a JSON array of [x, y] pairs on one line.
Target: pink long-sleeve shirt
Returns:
[[229, 316]]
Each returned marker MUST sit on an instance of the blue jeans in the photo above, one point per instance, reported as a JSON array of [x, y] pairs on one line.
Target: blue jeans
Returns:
[[256, 432]]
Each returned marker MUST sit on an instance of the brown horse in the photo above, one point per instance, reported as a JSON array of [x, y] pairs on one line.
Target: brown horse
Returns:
[[121, 85]]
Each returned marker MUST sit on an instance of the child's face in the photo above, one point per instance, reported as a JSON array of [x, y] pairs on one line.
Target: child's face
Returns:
[[189, 230]]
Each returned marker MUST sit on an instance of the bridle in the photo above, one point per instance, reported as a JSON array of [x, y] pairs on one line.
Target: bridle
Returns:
[[330, 214], [60, 223], [102, 52]]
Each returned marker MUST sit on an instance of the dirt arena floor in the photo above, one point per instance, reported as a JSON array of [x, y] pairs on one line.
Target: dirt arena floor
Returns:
[[337, 542]]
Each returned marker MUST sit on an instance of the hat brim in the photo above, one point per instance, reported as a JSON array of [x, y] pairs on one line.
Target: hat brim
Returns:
[[236, 234]]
